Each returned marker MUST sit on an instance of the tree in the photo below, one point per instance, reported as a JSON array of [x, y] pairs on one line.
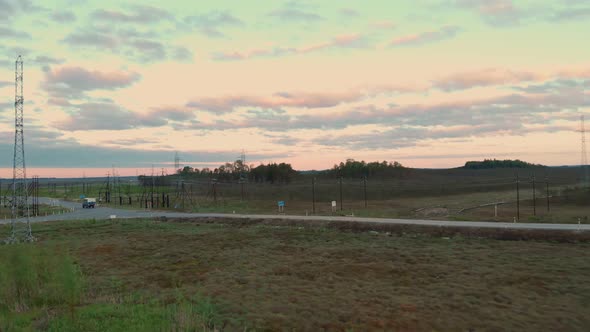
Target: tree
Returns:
[[354, 169], [494, 163]]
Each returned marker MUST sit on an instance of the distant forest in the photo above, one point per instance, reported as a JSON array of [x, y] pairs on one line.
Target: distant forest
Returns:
[[284, 173], [280, 173], [494, 163]]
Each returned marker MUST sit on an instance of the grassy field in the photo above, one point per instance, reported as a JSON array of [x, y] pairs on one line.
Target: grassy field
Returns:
[[452, 194], [6, 213], [171, 276]]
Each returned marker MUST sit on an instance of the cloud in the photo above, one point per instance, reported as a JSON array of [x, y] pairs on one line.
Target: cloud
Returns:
[[571, 14], [485, 77], [109, 116], [173, 114], [401, 137], [64, 102], [43, 60], [106, 116], [462, 115], [6, 9], [149, 50], [5, 84], [556, 86], [63, 16], [6, 106], [446, 32], [61, 152], [498, 13], [278, 100], [295, 15], [140, 14], [7, 32], [210, 23], [182, 54], [349, 12], [74, 81], [95, 39], [504, 13], [284, 140], [129, 42], [11, 8], [338, 42]]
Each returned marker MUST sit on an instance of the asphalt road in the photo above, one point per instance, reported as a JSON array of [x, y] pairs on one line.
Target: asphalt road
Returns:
[[77, 213]]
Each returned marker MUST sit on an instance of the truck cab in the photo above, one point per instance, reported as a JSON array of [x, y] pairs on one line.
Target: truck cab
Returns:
[[88, 203]]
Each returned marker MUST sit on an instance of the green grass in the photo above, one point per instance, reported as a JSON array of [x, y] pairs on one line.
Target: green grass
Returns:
[[33, 277], [168, 276], [43, 288], [198, 314]]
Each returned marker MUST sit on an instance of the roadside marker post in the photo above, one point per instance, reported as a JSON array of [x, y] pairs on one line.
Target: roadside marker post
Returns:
[[281, 205]]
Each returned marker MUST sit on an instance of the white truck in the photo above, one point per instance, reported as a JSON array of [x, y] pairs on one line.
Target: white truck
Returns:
[[88, 203]]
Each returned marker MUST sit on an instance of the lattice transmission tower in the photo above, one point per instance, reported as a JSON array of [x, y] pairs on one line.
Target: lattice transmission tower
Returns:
[[20, 223], [584, 159]]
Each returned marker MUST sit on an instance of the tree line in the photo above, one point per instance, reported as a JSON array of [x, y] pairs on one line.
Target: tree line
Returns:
[[495, 163], [358, 169], [238, 171], [283, 173]]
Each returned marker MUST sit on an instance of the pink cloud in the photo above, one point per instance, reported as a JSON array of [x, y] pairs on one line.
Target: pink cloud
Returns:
[[446, 32], [353, 40], [74, 81], [484, 77], [277, 100]]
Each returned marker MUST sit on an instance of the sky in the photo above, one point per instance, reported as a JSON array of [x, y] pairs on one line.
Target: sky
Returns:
[[428, 83]]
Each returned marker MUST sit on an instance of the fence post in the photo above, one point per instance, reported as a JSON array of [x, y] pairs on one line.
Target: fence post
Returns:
[[341, 207], [242, 190], [517, 199], [534, 198], [215, 192], [313, 195], [365, 189], [547, 193]]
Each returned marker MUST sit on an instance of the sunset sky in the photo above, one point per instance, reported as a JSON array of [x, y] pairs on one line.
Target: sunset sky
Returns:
[[428, 83]]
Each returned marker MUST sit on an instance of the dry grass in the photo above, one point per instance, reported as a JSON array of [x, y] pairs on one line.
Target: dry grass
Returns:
[[313, 277]]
